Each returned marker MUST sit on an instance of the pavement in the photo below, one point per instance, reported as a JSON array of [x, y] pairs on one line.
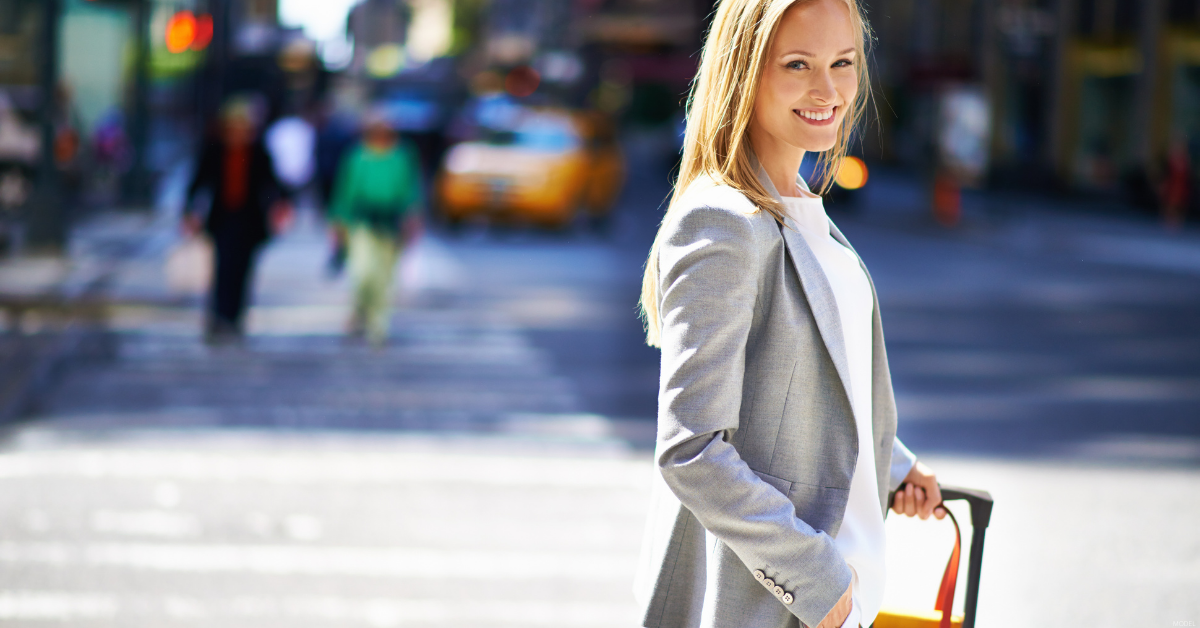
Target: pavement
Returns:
[[490, 466], [454, 477]]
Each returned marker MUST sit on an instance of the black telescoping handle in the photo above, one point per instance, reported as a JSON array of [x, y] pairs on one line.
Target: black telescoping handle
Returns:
[[981, 514]]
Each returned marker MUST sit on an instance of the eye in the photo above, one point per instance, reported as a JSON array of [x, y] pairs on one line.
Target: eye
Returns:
[[796, 65], [843, 63]]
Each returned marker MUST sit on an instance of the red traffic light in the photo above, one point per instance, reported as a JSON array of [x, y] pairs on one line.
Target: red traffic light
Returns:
[[186, 30], [181, 31]]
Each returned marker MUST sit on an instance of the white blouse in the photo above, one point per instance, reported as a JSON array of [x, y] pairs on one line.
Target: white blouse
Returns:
[[861, 537]]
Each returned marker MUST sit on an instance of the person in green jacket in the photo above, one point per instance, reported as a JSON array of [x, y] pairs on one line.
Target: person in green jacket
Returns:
[[376, 209]]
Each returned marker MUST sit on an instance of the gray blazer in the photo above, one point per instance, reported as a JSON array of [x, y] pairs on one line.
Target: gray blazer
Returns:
[[757, 440]]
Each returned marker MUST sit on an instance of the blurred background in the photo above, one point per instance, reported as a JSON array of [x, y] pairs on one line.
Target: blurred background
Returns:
[[312, 438]]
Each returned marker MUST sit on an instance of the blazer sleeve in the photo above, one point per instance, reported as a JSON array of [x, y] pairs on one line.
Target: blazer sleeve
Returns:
[[902, 462], [708, 270], [204, 176]]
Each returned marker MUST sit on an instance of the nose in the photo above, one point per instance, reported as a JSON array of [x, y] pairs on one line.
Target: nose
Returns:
[[823, 89]]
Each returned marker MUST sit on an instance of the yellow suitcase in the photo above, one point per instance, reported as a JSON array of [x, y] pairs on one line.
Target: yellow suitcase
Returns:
[[981, 514]]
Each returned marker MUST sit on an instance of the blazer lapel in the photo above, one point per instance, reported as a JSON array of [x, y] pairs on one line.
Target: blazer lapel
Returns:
[[816, 289]]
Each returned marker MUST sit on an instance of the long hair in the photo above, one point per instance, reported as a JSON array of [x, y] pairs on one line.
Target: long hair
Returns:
[[720, 106]]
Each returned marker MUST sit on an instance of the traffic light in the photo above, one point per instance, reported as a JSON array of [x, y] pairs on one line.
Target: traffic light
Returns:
[[181, 31], [188, 31]]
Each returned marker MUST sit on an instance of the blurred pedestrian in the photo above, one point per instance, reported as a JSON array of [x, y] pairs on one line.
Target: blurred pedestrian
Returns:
[[376, 210], [337, 133], [292, 143], [248, 205], [777, 443]]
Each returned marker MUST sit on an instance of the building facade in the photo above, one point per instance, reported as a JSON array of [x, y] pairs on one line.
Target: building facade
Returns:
[[1087, 94]]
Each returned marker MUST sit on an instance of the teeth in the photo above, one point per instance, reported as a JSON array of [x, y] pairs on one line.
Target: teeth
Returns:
[[812, 115]]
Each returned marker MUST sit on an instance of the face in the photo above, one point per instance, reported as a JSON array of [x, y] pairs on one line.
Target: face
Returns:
[[237, 131], [379, 136], [810, 79]]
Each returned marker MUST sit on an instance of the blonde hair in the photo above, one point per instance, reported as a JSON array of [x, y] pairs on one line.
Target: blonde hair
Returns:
[[721, 104]]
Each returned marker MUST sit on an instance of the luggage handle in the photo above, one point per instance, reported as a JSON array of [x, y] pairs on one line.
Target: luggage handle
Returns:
[[980, 503]]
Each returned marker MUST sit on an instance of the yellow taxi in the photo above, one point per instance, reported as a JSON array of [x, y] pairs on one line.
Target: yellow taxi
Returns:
[[542, 166]]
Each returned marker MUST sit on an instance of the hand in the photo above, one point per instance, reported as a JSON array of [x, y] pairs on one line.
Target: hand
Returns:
[[337, 235], [191, 225], [919, 495], [282, 216], [840, 611]]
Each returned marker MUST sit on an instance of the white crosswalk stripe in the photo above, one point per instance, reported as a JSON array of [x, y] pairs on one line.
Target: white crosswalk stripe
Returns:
[[42, 606], [428, 537]]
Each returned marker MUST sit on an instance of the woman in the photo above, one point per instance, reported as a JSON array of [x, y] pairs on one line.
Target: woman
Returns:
[[376, 207], [770, 513], [248, 204]]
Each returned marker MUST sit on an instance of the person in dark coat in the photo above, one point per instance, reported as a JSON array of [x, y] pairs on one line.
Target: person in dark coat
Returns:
[[248, 204]]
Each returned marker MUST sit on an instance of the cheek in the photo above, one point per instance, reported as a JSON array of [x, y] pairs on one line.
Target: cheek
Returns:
[[770, 101], [768, 93]]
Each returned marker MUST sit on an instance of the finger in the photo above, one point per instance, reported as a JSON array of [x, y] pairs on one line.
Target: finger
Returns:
[[935, 494], [928, 505], [838, 614], [844, 606], [898, 502], [841, 609], [902, 499], [910, 501], [940, 513], [921, 502]]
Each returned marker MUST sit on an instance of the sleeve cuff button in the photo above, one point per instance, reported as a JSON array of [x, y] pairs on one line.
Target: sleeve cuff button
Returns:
[[788, 599]]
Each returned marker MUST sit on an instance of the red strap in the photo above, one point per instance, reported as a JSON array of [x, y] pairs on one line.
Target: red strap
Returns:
[[945, 597]]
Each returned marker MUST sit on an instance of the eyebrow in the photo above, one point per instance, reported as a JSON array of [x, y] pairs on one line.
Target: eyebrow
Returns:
[[809, 54]]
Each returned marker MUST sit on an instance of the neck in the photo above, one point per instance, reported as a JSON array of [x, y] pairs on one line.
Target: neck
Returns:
[[780, 160]]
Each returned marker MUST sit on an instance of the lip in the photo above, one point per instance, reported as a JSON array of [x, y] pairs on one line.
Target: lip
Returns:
[[826, 122]]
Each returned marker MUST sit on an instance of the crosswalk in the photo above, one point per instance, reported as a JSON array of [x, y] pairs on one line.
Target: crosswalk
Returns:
[[422, 382], [259, 611], [205, 527], [452, 478]]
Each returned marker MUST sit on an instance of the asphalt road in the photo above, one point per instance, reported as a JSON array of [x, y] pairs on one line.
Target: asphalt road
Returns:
[[490, 466]]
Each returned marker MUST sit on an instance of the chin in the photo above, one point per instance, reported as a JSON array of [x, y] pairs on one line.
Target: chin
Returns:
[[816, 144]]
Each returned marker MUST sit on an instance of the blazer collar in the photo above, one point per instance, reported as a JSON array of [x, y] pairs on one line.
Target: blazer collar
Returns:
[[816, 286]]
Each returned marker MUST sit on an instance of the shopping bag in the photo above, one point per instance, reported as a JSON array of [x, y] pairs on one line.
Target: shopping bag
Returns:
[[895, 618], [189, 266], [940, 616]]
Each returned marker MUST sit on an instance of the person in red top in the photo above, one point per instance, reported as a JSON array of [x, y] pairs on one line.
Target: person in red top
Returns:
[[247, 204]]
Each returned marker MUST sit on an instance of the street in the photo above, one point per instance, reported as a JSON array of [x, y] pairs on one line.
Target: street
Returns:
[[491, 465]]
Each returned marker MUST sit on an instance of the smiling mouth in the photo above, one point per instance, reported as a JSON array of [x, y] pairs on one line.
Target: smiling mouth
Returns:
[[817, 118]]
